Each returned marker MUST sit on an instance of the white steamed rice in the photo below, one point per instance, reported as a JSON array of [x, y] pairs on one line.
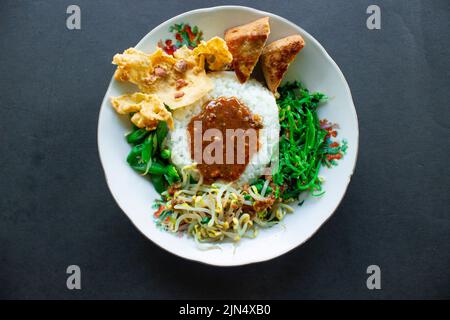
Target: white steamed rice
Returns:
[[256, 97]]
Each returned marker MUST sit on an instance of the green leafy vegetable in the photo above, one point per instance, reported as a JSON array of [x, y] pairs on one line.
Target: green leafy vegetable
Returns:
[[301, 146]]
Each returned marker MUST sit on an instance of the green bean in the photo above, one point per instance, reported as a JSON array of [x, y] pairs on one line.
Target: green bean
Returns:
[[155, 145], [147, 149], [137, 135], [157, 168], [161, 132], [141, 167], [148, 157], [172, 172], [158, 182], [135, 153], [165, 154]]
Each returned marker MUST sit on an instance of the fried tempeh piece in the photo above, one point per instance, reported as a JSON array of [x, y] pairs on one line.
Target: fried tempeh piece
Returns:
[[246, 43], [277, 56]]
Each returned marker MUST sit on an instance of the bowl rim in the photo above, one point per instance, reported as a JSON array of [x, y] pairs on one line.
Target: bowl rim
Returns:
[[356, 147]]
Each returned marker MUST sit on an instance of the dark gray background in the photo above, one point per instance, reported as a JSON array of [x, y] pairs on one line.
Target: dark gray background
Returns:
[[56, 210]]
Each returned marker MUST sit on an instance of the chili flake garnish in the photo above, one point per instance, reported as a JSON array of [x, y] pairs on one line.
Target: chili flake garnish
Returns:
[[159, 211], [333, 149]]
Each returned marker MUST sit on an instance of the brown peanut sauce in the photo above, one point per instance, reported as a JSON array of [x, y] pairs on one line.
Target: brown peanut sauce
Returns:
[[221, 114]]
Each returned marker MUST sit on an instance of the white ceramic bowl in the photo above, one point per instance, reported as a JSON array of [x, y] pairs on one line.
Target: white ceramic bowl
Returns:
[[313, 67]]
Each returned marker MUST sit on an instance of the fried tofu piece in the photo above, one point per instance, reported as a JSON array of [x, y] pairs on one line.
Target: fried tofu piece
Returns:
[[277, 56], [246, 43]]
